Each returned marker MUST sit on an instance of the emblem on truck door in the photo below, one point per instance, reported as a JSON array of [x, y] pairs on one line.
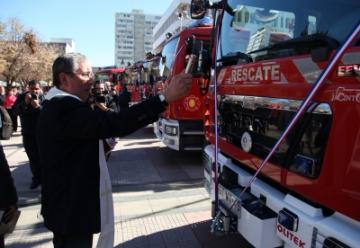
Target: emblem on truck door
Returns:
[[246, 141]]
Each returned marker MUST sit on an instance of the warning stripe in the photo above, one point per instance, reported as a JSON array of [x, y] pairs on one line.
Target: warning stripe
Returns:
[[309, 69]]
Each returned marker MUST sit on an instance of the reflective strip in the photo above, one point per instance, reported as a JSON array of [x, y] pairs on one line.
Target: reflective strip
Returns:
[[308, 69]]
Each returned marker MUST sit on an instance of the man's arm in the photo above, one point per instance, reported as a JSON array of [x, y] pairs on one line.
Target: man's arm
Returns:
[[82, 122]]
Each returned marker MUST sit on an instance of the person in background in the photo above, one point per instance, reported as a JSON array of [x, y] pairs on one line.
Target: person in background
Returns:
[[102, 95], [101, 100], [113, 95], [124, 98], [9, 101], [108, 86], [76, 193], [2, 95], [28, 105]]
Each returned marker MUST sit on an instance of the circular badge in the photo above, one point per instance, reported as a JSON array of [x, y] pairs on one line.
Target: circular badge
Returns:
[[246, 141], [192, 103]]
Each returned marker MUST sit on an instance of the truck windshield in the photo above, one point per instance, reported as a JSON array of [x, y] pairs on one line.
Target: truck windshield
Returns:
[[260, 28], [168, 55]]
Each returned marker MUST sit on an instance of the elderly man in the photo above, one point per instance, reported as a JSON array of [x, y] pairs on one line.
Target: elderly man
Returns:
[[76, 187]]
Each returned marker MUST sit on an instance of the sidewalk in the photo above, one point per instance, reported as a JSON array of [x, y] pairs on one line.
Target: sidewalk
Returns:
[[152, 209]]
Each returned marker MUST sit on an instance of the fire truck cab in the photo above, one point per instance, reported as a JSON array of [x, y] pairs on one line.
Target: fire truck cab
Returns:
[[181, 126], [282, 121], [110, 74]]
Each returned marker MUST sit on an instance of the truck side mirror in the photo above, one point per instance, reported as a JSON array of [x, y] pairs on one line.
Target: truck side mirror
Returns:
[[198, 8]]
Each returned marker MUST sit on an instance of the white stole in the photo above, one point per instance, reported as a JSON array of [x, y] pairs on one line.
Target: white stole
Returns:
[[106, 237]]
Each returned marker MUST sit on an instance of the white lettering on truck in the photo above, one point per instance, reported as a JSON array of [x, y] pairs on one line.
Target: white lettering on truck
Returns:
[[346, 95], [256, 73]]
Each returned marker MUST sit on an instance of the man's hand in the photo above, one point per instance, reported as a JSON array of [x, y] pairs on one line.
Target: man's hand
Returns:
[[35, 103], [10, 213], [179, 86], [101, 106], [9, 220]]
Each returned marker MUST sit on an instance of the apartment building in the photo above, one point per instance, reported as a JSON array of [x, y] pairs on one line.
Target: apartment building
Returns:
[[133, 36], [63, 45]]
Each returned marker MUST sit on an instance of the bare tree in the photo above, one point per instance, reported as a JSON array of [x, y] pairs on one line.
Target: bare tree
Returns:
[[22, 56]]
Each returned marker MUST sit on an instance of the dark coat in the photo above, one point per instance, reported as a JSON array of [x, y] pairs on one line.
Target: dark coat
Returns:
[[124, 98], [8, 195], [68, 138], [2, 97], [28, 114]]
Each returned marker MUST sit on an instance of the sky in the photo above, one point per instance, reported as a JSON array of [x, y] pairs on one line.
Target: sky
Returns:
[[90, 23]]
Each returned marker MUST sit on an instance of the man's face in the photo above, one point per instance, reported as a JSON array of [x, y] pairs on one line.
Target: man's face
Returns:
[[79, 83], [100, 88], [34, 89]]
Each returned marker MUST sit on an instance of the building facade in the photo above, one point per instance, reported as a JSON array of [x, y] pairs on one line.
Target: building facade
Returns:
[[65, 45], [133, 36], [174, 19]]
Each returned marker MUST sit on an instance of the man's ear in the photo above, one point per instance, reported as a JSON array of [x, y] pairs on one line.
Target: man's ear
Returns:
[[64, 80]]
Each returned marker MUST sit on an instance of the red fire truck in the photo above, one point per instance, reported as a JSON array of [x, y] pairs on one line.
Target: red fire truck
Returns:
[[110, 74], [181, 125], [282, 121], [117, 76]]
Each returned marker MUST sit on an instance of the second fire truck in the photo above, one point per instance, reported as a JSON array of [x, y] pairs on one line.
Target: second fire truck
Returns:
[[181, 126]]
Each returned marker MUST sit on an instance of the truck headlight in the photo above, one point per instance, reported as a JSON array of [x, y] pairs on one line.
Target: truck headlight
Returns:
[[170, 130]]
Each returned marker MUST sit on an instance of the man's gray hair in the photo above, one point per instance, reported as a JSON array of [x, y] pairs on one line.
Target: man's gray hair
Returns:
[[67, 63]]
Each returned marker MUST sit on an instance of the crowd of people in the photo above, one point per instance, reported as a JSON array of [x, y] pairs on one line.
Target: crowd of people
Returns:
[[68, 160]]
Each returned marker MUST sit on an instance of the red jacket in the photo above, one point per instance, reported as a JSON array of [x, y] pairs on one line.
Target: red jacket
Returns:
[[9, 101]]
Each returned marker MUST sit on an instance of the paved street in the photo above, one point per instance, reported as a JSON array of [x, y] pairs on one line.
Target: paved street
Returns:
[[159, 200]]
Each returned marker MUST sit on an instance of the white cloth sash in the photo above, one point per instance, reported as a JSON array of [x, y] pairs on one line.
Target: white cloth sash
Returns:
[[106, 237]]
